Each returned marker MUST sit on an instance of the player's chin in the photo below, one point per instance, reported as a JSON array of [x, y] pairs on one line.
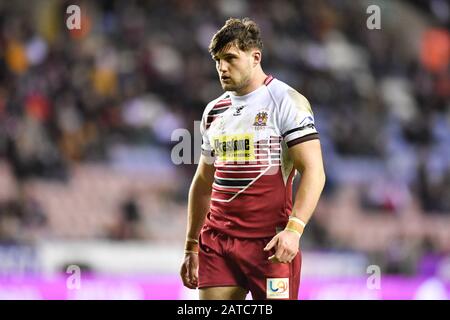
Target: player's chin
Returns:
[[228, 87]]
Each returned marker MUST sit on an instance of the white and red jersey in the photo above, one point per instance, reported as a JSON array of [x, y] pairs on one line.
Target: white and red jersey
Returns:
[[249, 137]]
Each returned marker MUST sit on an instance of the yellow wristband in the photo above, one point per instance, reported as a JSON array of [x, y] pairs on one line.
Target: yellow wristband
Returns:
[[191, 246], [293, 230], [294, 226], [191, 240]]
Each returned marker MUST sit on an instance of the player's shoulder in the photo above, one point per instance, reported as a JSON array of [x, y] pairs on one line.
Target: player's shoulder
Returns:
[[286, 95], [214, 108], [223, 99]]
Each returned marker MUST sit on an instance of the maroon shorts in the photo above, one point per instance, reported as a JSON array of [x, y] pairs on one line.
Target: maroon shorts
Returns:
[[228, 261]]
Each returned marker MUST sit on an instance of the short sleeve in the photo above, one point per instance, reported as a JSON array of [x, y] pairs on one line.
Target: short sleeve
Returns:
[[207, 150], [296, 119]]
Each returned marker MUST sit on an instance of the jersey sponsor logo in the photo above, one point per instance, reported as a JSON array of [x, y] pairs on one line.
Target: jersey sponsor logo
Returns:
[[261, 119], [236, 147], [277, 288], [238, 111]]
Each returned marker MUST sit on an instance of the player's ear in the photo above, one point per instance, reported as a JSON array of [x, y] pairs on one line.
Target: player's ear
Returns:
[[256, 55]]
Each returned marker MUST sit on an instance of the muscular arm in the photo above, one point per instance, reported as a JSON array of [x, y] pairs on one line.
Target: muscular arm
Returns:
[[199, 198], [307, 157], [198, 206]]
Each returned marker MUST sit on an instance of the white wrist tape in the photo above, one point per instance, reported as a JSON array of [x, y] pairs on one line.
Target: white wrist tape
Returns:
[[292, 218]]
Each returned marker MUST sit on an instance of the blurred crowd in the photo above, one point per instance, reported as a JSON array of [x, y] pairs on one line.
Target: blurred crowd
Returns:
[[138, 70]]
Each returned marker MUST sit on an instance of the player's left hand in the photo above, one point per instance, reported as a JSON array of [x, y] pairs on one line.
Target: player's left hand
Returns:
[[286, 244], [189, 270]]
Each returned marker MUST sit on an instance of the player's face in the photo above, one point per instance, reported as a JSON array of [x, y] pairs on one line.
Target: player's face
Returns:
[[234, 67]]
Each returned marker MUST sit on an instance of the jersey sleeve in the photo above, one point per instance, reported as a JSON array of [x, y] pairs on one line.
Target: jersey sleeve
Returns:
[[206, 147], [296, 119]]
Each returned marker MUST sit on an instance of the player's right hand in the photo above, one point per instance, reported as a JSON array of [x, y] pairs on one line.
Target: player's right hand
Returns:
[[189, 270], [286, 245]]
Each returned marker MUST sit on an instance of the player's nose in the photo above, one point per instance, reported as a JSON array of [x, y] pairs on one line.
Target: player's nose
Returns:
[[222, 67]]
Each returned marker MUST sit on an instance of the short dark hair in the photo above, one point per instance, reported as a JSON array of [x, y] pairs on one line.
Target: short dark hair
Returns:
[[244, 32]]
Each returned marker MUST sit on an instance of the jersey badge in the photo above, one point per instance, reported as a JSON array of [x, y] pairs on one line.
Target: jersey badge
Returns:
[[261, 119]]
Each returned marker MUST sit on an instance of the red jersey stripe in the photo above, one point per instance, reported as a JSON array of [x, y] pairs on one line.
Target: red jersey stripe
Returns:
[[268, 79]]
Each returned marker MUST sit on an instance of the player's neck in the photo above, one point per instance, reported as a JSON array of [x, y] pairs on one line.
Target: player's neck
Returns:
[[256, 82]]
